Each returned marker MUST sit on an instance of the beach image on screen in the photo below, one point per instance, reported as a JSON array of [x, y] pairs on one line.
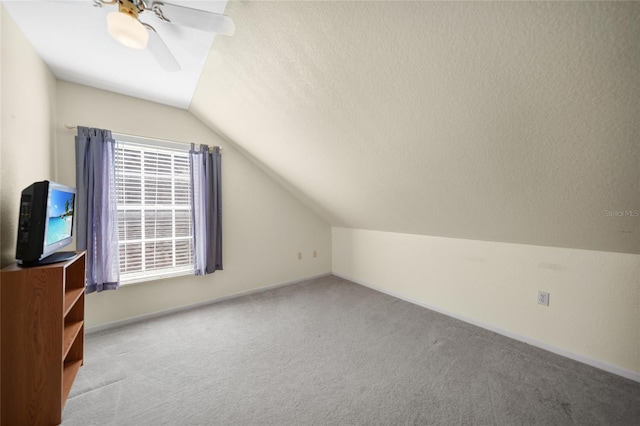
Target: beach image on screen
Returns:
[[60, 216]]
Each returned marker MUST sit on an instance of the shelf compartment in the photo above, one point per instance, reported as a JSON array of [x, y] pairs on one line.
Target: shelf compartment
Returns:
[[74, 275], [68, 376], [70, 298], [71, 331]]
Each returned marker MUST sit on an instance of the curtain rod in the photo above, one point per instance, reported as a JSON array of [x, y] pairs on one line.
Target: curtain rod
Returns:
[[72, 127]]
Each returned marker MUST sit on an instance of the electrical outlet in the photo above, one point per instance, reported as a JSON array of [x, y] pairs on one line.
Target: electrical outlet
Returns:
[[299, 255], [543, 298]]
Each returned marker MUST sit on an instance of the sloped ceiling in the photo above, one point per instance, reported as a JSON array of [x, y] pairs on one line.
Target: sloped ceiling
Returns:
[[514, 122], [71, 37]]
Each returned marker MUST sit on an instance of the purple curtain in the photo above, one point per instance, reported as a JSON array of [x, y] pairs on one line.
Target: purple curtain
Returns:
[[97, 210], [206, 207]]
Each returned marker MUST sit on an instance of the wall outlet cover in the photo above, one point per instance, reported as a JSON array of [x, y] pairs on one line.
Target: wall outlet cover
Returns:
[[543, 298]]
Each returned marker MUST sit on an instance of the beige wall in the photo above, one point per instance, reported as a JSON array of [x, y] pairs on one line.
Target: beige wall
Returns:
[[594, 310], [484, 120], [28, 92], [264, 227]]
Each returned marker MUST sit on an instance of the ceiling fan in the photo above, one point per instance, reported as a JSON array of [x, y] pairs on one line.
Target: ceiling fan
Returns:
[[126, 27]]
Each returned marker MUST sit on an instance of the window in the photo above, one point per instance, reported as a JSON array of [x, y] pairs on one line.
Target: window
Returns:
[[154, 209]]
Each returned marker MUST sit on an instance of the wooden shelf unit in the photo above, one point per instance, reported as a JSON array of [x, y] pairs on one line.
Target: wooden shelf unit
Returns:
[[42, 339]]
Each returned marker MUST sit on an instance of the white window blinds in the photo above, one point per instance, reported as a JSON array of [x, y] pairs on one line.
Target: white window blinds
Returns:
[[154, 211]]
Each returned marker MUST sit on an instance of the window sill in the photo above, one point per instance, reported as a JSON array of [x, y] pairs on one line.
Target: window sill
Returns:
[[143, 278]]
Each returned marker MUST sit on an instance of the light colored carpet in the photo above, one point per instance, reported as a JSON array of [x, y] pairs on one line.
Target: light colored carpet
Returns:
[[331, 352]]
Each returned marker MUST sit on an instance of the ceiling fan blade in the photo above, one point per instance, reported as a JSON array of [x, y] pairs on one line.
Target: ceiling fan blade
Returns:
[[194, 18], [160, 51]]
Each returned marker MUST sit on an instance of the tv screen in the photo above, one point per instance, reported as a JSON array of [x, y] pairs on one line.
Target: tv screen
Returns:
[[45, 224], [60, 222]]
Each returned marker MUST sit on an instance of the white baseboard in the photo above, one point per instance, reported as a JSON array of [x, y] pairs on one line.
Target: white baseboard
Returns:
[[151, 315], [562, 352]]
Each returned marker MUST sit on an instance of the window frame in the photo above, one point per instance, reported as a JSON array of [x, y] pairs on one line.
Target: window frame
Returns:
[[157, 145]]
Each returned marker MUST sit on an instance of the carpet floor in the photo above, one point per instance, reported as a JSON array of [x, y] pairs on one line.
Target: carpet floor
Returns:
[[331, 352]]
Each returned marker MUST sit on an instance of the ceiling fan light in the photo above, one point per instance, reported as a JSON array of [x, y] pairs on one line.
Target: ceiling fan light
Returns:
[[127, 30]]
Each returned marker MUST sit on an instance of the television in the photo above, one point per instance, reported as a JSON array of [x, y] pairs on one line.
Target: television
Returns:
[[45, 224]]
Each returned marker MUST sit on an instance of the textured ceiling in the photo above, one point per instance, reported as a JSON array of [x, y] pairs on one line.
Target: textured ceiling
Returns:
[[514, 122]]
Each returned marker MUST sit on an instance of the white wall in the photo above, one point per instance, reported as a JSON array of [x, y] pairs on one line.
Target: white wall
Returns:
[[594, 309], [264, 227], [27, 129]]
